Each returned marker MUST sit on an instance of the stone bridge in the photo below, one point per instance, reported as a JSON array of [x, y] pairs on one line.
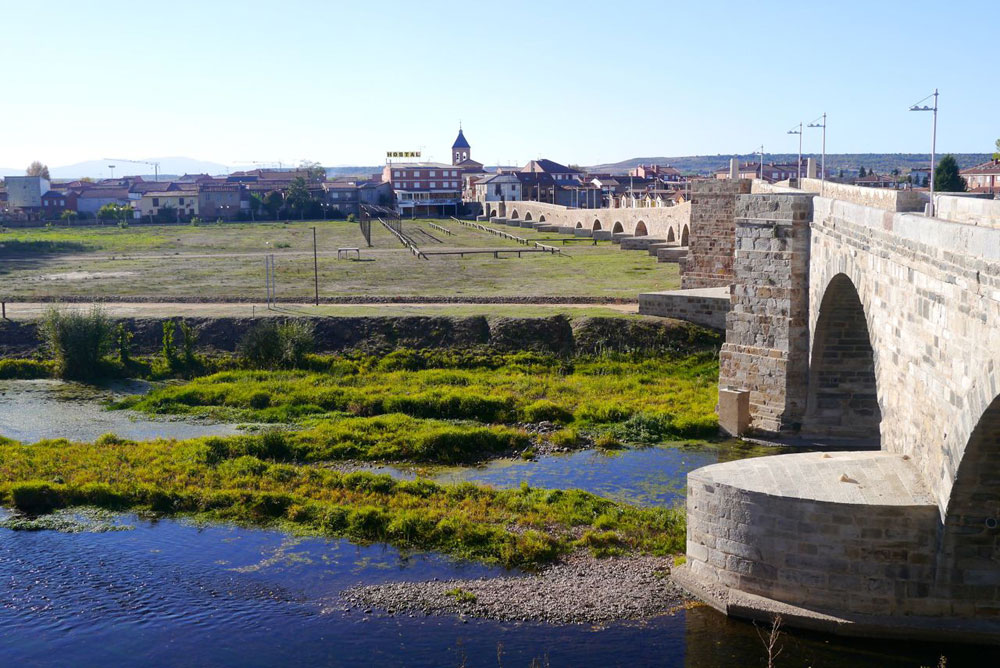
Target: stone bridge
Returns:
[[857, 322], [672, 223]]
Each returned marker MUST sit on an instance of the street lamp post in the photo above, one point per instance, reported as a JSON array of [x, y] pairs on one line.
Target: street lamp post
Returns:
[[798, 165], [822, 167], [917, 107]]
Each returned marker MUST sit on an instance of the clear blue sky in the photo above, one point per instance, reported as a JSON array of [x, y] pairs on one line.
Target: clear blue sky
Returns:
[[582, 82]]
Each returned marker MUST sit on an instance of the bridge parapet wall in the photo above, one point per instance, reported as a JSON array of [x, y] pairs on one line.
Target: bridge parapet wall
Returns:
[[887, 199], [968, 210]]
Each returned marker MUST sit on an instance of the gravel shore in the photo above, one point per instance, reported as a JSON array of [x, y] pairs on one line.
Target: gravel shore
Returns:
[[580, 590]]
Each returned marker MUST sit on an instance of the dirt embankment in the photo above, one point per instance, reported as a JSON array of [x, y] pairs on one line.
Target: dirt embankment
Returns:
[[557, 334]]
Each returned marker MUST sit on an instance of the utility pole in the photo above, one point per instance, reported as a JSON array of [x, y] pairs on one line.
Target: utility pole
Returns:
[[315, 267], [917, 107], [822, 175]]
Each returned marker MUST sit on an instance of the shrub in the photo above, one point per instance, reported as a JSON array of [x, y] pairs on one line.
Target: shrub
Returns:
[[77, 341], [123, 342], [36, 497], [273, 345], [544, 410], [351, 218], [645, 428], [169, 349], [25, 369]]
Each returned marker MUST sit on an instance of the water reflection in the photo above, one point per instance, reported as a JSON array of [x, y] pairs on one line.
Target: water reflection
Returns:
[[31, 410]]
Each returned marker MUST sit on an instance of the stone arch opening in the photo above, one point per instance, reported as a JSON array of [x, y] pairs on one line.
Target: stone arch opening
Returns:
[[670, 235], [527, 216], [617, 229], [541, 218], [971, 542], [493, 213], [579, 226], [685, 235], [597, 225], [640, 229], [843, 396], [513, 215]]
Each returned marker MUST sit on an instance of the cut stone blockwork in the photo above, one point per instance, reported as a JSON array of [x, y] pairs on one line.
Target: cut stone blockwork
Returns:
[[767, 329], [709, 263], [706, 307], [852, 318]]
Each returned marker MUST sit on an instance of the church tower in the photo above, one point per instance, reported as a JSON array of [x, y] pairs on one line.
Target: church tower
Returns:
[[460, 150]]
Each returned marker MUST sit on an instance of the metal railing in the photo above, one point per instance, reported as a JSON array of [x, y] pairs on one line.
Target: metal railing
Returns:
[[508, 235], [403, 239]]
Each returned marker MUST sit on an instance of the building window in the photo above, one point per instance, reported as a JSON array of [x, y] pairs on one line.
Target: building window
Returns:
[[416, 174], [182, 201], [398, 173], [433, 184], [156, 201], [431, 174]]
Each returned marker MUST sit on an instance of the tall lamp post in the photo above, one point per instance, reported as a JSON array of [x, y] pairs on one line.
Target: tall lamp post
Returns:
[[822, 163], [798, 165], [918, 107]]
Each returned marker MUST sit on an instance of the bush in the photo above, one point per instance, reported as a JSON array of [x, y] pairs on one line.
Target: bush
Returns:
[[37, 498], [351, 218], [644, 428], [273, 345], [25, 369], [77, 341], [544, 410]]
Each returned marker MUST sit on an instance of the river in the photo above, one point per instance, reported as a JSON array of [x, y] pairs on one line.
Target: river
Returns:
[[176, 593]]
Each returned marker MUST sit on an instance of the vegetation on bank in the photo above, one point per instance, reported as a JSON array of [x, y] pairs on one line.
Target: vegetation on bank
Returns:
[[254, 480], [637, 398]]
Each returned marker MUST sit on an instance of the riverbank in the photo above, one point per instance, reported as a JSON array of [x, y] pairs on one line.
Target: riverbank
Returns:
[[578, 590], [558, 334]]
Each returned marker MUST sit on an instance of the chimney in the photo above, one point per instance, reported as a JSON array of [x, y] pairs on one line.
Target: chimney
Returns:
[[734, 168]]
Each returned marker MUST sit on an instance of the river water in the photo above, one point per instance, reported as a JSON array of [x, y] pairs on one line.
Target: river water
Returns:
[[175, 593]]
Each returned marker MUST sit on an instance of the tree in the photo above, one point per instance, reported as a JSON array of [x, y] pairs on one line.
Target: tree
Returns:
[[996, 156], [861, 172], [946, 176], [273, 202], [316, 171], [116, 212], [298, 196], [38, 169], [68, 216]]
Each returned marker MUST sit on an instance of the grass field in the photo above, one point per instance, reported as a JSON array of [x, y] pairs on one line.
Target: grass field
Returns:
[[225, 261]]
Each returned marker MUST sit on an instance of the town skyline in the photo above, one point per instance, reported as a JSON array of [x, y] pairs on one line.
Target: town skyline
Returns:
[[661, 81]]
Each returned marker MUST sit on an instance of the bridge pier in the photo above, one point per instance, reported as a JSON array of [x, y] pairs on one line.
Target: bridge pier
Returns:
[[767, 329]]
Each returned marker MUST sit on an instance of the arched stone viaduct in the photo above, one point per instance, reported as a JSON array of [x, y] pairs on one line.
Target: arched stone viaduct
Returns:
[[671, 224], [855, 321]]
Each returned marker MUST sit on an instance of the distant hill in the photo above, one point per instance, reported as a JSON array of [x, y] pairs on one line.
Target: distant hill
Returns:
[[883, 163]]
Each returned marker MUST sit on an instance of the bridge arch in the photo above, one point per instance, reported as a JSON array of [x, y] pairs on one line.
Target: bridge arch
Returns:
[[685, 235], [617, 229], [670, 234], [597, 224], [843, 394], [970, 549], [513, 215], [640, 229], [493, 213], [541, 218], [527, 216]]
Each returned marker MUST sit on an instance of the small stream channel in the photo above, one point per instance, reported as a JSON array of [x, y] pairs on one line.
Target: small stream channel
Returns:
[[173, 592]]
